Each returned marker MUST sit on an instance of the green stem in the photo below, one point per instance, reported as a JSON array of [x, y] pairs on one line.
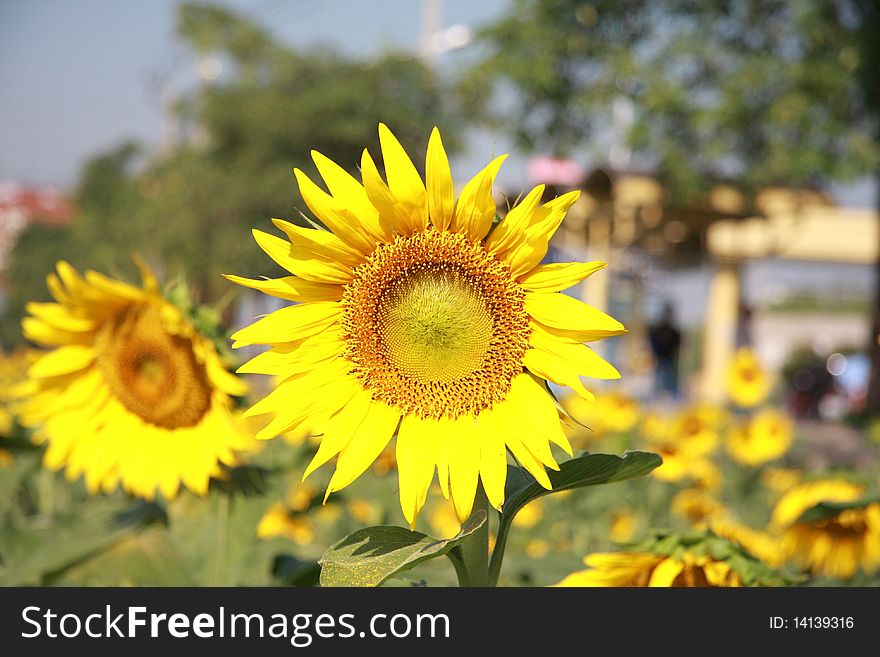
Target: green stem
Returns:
[[222, 536], [460, 571], [475, 548], [498, 553]]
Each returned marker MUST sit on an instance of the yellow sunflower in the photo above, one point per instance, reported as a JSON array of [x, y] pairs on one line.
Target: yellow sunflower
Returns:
[[130, 393], [289, 519], [686, 442], [697, 505], [837, 545], [609, 413], [647, 569], [766, 436], [418, 315], [747, 383]]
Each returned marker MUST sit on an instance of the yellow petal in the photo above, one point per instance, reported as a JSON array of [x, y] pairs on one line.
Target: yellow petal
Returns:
[[404, 180], [475, 207], [531, 408], [309, 268], [440, 188], [291, 288], [512, 228], [493, 458], [464, 465], [552, 368], [341, 429], [350, 196], [415, 464], [40, 332], [325, 208], [556, 277], [290, 323], [61, 317], [562, 312], [665, 572], [526, 255], [581, 358], [372, 436], [321, 243], [64, 360], [289, 361]]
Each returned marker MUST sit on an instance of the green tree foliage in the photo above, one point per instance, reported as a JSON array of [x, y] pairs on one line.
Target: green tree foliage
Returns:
[[191, 210], [761, 91]]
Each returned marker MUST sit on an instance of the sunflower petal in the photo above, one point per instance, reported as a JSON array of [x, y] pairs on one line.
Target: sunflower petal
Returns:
[[372, 436], [290, 323], [404, 180], [475, 207], [440, 188], [415, 464], [562, 312], [559, 276], [291, 288]]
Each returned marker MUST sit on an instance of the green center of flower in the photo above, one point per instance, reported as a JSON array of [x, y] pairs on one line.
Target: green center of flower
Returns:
[[435, 325]]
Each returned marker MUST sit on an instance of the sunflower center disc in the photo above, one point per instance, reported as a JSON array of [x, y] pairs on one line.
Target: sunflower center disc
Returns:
[[152, 372], [435, 325]]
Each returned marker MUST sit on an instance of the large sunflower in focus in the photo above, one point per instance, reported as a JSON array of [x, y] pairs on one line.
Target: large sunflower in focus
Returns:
[[419, 316], [131, 393]]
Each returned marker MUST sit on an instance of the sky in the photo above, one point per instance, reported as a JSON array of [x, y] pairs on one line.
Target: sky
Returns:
[[77, 78]]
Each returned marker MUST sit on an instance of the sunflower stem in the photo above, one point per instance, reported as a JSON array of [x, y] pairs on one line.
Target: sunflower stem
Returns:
[[475, 548], [222, 538]]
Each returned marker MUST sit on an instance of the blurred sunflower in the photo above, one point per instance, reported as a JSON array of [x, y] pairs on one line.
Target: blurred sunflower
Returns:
[[761, 545], [622, 526], [834, 544], [609, 413], [420, 316], [689, 559], [131, 393], [697, 505], [646, 569], [780, 480], [290, 518], [747, 383], [685, 441], [765, 437]]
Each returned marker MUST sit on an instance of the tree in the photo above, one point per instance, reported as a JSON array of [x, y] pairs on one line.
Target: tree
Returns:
[[764, 92]]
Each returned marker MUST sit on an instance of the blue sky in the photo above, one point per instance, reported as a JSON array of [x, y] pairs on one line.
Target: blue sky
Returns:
[[79, 77]]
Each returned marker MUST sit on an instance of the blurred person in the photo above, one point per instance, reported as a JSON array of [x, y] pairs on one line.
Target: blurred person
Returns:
[[665, 341]]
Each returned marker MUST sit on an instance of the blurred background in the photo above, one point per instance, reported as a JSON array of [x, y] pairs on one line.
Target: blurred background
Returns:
[[728, 153]]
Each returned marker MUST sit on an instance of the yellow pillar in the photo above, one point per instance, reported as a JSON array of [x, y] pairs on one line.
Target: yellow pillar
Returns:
[[719, 340]]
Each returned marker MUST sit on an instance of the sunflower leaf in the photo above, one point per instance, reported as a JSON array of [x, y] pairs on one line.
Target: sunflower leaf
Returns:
[[826, 510], [579, 472], [371, 556]]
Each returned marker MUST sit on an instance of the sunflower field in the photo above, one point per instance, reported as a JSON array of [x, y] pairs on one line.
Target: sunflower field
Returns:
[[556, 294]]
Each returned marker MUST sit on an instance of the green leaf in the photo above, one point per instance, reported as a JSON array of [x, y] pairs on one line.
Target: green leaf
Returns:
[[370, 556], [825, 510], [291, 571], [579, 472]]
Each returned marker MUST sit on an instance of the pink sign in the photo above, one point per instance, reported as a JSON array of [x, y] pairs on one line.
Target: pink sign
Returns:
[[554, 171]]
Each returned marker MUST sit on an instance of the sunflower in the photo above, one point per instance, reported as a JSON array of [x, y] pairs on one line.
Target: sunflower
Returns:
[[677, 559], [647, 569], [837, 544], [765, 437], [130, 393], [686, 441], [289, 518], [697, 505], [421, 316], [622, 526], [610, 413], [747, 383]]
